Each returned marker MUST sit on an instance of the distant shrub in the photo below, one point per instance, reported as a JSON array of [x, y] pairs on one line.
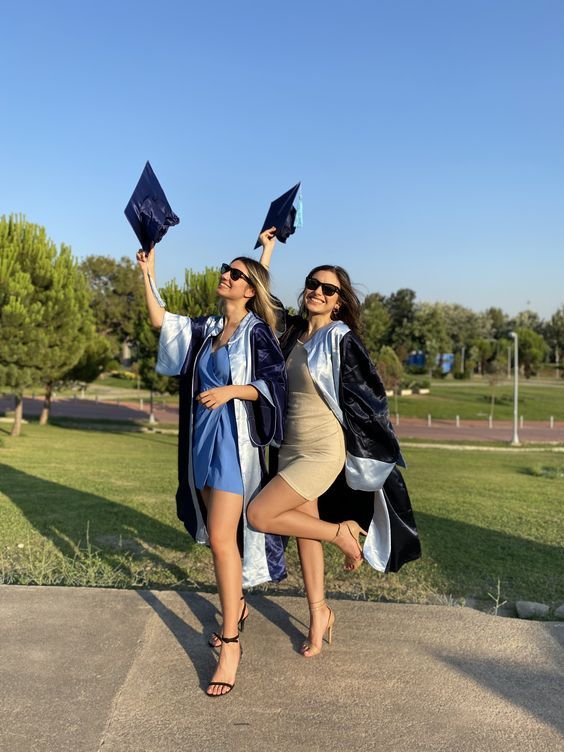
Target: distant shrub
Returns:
[[128, 375]]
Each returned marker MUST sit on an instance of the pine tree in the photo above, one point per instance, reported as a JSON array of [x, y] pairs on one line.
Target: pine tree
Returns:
[[67, 322], [22, 344], [44, 311]]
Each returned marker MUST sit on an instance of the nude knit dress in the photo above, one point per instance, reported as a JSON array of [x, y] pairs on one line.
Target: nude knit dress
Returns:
[[313, 451]]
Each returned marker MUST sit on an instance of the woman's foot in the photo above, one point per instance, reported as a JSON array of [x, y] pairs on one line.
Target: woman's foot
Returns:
[[223, 680], [347, 539], [322, 620]]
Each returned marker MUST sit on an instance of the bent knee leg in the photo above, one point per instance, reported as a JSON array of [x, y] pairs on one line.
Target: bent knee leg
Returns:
[[256, 517]]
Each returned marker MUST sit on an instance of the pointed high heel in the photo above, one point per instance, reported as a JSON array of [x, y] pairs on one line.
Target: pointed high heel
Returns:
[[313, 650], [229, 686], [215, 641]]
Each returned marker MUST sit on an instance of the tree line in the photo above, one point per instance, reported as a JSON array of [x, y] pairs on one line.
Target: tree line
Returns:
[[65, 322]]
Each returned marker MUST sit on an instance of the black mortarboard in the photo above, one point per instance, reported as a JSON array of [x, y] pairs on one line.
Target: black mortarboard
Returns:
[[282, 215], [148, 211]]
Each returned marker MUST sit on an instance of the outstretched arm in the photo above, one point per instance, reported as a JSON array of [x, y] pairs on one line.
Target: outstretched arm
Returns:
[[268, 240], [147, 264]]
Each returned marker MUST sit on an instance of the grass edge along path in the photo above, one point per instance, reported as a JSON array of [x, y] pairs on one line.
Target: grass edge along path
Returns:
[[89, 508]]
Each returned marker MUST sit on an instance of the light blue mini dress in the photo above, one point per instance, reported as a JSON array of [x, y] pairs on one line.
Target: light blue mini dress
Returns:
[[215, 455]]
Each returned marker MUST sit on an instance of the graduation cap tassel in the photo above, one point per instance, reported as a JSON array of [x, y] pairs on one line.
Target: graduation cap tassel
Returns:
[[300, 211]]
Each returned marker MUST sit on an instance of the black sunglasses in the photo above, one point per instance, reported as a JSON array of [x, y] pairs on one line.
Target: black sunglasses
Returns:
[[235, 274], [312, 283]]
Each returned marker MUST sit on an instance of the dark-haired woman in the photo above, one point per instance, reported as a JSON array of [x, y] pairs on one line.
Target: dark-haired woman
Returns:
[[337, 475], [232, 402]]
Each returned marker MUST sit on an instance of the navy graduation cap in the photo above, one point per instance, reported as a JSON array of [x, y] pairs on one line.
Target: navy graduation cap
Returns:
[[282, 215], [148, 210]]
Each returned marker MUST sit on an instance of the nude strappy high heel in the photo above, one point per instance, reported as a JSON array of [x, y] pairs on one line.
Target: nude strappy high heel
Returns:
[[352, 563], [308, 647]]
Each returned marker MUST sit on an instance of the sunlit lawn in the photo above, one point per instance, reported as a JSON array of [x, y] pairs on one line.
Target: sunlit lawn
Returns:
[[97, 508], [470, 400]]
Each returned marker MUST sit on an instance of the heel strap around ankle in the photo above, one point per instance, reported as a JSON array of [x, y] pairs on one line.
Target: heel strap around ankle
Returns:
[[317, 605], [226, 639]]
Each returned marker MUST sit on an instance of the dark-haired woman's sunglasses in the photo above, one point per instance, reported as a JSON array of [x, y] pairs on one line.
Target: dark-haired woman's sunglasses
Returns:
[[312, 283], [235, 274]]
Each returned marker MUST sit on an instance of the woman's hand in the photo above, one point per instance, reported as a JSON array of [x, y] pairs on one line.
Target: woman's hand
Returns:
[[268, 239], [214, 398], [147, 261]]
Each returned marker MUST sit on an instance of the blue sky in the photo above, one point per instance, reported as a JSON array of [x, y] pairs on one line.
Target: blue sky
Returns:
[[429, 136]]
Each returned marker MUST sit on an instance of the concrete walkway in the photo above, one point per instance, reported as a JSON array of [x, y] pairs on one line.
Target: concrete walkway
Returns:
[[89, 670]]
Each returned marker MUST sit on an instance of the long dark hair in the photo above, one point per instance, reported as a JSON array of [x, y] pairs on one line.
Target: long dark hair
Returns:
[[262, 303], [349, 310]]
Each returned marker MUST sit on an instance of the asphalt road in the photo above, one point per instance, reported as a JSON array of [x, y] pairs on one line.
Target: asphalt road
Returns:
[[440, 430]]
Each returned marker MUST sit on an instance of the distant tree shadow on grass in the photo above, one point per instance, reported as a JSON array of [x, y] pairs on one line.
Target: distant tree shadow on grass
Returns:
[[468, 555], [62, 515]]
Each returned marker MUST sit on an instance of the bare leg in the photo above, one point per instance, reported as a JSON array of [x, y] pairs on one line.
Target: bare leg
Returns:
[[275, 510], [311, 560], [224, 511]]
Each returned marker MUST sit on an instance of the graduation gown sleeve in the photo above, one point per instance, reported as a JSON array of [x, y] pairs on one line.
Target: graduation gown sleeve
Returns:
[[266, 415]]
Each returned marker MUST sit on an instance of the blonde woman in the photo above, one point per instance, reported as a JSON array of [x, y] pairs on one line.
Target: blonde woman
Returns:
[[232, 402]]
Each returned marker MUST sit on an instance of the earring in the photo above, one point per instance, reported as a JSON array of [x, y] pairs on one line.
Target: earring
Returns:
[[335, 312]]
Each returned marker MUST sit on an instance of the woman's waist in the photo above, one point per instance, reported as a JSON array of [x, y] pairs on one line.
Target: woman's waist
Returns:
[[311, 429]]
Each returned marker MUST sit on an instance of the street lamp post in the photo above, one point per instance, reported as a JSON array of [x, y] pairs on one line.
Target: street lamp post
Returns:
[[515, 440]]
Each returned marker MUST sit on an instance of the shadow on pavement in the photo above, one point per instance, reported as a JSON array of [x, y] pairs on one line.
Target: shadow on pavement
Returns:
[[514, 683], [279, 617], [192, 641]]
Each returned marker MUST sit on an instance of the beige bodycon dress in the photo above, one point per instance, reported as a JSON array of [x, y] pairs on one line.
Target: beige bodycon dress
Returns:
[[313, 451]]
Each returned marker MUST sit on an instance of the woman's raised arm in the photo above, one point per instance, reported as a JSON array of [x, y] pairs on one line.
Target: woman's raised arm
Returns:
[[147, 263], [268, 240]]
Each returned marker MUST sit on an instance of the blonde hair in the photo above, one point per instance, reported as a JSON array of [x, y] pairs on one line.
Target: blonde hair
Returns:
[[262, 303]]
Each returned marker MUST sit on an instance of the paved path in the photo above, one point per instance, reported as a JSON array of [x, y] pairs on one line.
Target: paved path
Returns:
[[440, 430], [86, 670]]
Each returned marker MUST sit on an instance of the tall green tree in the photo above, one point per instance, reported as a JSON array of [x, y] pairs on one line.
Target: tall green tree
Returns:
[[529, 320], [376, 322], [67, 322], [390, 370], [45, 313], [117, 298], [496, 323], [96, 356], [401, 308], [22, 347], [555, 335], [430, 333], [532, 351]]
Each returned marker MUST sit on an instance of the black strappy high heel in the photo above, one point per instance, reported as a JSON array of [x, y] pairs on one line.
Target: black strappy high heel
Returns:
[[214, 643], [221, 683]]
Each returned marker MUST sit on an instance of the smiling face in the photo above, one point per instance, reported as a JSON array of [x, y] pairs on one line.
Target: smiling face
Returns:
[[235, 289], [316, 301]]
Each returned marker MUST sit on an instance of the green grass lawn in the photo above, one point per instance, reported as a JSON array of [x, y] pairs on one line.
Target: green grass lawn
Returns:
[[470, 400], [97, 508]]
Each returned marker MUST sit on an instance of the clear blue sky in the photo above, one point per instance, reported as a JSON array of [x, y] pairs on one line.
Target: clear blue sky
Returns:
[[429, 135]]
